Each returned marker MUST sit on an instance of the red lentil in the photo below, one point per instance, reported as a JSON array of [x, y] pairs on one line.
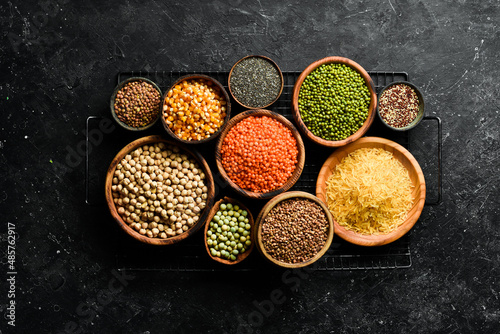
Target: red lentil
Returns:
[[259, 154], [398, 105]]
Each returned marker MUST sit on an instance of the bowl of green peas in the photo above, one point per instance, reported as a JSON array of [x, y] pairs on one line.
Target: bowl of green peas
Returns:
[[334, 101], [228, 232]]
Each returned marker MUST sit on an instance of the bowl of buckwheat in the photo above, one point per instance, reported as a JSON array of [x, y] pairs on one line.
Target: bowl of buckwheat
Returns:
[[293, 230]]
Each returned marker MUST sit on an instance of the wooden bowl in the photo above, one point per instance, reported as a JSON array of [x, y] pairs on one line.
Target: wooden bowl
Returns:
[[112, 208], [113, 97], [416, 177], [300, 158], [421, 107], [272, 63], [223, 92], [265, 211], [212, 213], [371, 111]]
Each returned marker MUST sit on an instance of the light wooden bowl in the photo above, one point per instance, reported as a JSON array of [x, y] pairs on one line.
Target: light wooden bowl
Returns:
[[113, 97], [265, 211], [270, 61], [212, 213], [300, 158], [112, 208], [416, 177], [222, 91], [371, 111]]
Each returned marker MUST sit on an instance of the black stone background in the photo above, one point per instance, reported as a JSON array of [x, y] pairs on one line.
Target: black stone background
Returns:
[[59, 60]]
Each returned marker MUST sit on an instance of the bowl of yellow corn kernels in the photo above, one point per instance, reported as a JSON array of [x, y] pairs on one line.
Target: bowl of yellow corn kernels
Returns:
[[196, 108]]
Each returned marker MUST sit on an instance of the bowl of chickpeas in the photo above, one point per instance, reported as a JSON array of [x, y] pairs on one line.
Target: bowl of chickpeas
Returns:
[[195, 109], [158, 191], [334, 101]]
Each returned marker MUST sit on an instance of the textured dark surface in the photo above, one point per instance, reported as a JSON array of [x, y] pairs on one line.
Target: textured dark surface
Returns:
[[59, 65]]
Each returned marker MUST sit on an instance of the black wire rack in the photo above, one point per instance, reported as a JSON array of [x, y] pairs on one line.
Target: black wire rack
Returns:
[[190, 255]]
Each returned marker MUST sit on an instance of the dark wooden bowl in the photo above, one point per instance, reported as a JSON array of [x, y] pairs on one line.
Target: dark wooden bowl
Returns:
[[112, 103], [212, 213], [300, 159], [112, 208], [223, 92], [255, 56], [265, 211], [371, 110], [416, 177], [421, 106]]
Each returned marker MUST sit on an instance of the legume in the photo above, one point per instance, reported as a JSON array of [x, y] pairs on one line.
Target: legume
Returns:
[[295, 230], [255, 82], [259, 154], [194, 109], [229, 232], [334, 101], [137, 103], [398, 105], [159, 191]]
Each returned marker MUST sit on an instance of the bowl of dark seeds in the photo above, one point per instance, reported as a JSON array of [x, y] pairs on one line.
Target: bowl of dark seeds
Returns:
[[136, 103], [294, 230], [255, 82], [400, 106]]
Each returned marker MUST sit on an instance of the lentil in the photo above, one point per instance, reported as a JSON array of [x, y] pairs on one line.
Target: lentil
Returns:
[[172, 215], [137, 103], [255, 82], [226, 239], [295, 230], [334, 101], [194, 109], [259, 154], [398, 105]]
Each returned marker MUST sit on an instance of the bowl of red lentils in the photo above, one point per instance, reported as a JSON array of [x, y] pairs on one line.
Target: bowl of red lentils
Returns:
[[136, 103], [400, 106], [195, 109], [158, 191], [294, 229], [334, 101], [260, 154]]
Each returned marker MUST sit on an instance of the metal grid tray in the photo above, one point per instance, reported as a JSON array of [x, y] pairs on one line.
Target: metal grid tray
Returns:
[[190, 255]]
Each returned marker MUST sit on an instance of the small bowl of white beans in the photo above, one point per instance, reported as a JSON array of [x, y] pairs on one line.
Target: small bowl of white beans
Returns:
[[158, 191]]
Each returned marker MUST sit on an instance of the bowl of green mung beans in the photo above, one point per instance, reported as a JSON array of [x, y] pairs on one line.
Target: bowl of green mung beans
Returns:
[[334, 101]]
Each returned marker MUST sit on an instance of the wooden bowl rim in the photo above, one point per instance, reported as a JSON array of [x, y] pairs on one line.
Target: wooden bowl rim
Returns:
[[113, 97], [421, 107], [255, 56], [300, 158], [268, 207], [380, 239], [371, 112], [251, 221], [111, 205], [226, 119]]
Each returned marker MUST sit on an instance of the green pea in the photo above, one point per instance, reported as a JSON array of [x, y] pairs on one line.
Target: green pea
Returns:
[[223, 207]]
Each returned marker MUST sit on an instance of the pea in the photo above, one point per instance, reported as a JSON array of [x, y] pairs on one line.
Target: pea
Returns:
[[223, 207]]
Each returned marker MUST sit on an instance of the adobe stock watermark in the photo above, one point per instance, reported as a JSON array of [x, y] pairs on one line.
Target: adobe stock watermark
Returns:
[[30, 33], [75, 155], [87, 311], [292, 279]]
